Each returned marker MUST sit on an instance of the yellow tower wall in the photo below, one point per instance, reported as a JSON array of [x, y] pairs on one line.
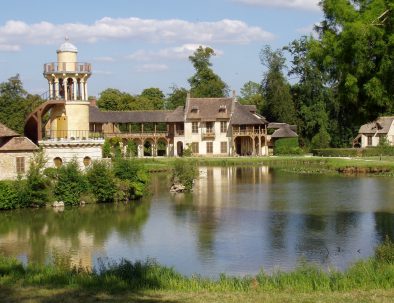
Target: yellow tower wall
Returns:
[[67, 61], [77, 118]]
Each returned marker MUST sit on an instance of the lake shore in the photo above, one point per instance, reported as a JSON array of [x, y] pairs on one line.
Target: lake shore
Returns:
[[383, 166]]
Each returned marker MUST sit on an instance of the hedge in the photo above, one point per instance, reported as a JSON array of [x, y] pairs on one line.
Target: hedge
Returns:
[[287, 146], [354, 152]]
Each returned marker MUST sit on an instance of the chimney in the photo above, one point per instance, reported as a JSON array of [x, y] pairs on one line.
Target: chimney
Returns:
[[93, 102]]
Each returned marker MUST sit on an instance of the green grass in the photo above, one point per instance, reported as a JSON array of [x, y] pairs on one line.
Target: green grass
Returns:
[[312, 165], [125, 278]]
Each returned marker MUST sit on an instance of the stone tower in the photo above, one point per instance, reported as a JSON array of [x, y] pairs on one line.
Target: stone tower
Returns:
[[67, 81]]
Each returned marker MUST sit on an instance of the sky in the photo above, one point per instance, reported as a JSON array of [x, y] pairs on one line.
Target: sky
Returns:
[[137, 44]]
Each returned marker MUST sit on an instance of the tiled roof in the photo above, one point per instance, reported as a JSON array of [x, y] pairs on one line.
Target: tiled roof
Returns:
[[284, 132], [6, 132], [243, 116], [277, 125], [208, 109], [381, 126], [97, 116], [19, 144], [178, 115]]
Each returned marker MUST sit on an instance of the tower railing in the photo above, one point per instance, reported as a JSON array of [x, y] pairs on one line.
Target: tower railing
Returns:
[[70, 67]]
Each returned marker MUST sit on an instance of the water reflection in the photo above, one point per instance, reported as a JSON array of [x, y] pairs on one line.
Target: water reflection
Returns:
[[237, 220]]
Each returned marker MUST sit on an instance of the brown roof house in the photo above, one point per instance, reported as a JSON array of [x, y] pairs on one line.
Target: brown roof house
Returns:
[[15, 153], [371, 134]]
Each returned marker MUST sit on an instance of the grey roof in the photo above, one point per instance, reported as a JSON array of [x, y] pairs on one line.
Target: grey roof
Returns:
[[19, 144], [208, 109], [146, 116], [7, 132], [284, 132], [277, 125], [381, 126], [243, 116], [67, 47], [177, 115]]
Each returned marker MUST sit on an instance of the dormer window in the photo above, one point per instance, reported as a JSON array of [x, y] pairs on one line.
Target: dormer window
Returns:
[[194, 109], [222, 109]]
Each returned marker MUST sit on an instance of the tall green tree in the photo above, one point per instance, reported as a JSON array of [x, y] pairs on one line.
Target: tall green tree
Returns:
[[154, 96], [279, 104], [177, 97], [356, 50], [16, 103], [113, 99], [252, 93], [310, 95], [205, 83]]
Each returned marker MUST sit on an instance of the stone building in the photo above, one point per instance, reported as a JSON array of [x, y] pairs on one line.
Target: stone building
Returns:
[[15, 153], [65, 134]]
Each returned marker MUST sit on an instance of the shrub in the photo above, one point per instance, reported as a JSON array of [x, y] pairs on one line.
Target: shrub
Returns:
[[184, 172], [71, 183], [9, 197], [321, 139], [385, 252], [131, 149], [102, 181], [337, 152], [287, 146], [136, 176], [106, 149]]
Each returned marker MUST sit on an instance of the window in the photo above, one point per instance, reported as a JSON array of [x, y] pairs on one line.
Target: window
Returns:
[[369, 143], [209, 127], [223, 147], [223, 126], [195, 127], [20, 165], [58, 162], [87, 161], [209, 147], [195, 148]]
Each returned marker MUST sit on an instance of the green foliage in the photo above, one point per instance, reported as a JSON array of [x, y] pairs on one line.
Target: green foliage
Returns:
[[187, 151], [337, 152], [71, 183], [155, 96], [131, 149], [101, 181], [9, 197], [205, 83], [321, 139], [252, 93], [16, 104], [287, 146], [177, 97], [107, 149], [279, 106], [184, 172], [385, 252], [133, 176], [36, 188]]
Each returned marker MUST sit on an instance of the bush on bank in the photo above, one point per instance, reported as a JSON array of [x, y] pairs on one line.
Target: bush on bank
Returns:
[[355, 152], [287, 146]]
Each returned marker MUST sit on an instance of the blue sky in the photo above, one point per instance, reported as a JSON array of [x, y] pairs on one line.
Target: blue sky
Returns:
[[140, 44]]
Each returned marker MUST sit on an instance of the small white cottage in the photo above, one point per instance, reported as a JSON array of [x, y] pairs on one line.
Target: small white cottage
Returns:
[[371, 134]]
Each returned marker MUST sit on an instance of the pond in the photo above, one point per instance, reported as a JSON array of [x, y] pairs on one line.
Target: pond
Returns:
[[237, 221]]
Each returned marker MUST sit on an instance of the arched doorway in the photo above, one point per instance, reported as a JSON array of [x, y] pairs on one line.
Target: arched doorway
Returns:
[[148, 148], [58, 162], [87, 161], [162, 147], [179, 148], [243, 146]]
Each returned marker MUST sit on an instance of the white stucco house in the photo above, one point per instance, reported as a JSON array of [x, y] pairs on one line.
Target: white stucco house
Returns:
[[371, 134]]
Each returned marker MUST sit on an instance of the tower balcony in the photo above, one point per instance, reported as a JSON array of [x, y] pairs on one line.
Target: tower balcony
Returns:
[[67, 67]]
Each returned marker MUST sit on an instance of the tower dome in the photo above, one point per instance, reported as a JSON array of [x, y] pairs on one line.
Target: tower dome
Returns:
[[66, 46]]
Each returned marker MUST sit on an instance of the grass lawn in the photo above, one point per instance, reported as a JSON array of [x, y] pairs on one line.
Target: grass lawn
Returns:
[[39, 294]]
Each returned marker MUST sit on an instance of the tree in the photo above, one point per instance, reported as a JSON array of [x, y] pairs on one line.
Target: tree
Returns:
[[279, 104], [252, 93], [114, 100], [311, 97], [205, 83], [154, 96], [16, 103], [176, 98], [356, 50]]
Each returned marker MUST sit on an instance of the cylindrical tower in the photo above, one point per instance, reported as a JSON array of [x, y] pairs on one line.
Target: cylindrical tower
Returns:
[[67, 80]]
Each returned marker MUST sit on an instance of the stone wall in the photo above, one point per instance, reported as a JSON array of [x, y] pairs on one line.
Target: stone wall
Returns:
[[8, 163]]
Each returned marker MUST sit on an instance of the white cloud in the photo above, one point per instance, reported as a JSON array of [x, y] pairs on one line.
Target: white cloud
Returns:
[[297, 4], [104, 59], [17, 33], [9, 48], [178, 52], [149, 68]]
